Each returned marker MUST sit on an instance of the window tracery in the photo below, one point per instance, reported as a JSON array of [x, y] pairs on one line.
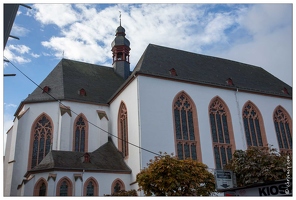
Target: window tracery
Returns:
[[282, 124], [222, 135], [187, 139], [41, 139], [253, 126], [123, 130]]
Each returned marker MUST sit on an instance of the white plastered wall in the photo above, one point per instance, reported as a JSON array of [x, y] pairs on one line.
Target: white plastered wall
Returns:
[[130, 97], [156, 119]]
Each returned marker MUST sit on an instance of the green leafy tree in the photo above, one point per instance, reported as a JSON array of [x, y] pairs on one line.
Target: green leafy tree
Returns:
[[258, 165], [168, 176]]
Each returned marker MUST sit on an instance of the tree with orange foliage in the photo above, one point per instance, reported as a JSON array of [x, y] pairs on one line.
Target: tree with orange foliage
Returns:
[[168, 176]]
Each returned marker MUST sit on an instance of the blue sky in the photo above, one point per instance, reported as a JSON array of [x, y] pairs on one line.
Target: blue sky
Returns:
[[256, 34]]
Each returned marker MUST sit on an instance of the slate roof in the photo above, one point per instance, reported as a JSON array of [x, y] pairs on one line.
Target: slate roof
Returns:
[[208, 70], [69, 76], [105, 159]]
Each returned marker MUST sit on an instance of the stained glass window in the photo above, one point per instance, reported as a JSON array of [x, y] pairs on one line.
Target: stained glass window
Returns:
[[217, 157], [64, 189], [251, 119], [80, 134], [42, 136], [221, 132], [185, 131], [90, 189], [180, 150], [123, 130], [282, 124], [42, 190], [117, 186]]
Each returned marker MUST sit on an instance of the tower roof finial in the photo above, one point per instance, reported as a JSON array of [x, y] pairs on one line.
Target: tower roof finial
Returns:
[[119, 18]]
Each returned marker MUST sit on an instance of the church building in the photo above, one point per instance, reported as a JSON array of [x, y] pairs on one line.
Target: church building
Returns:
[[88, 130]]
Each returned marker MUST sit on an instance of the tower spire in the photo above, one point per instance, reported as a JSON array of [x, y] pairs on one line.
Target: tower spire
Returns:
[[120, 18], [121, 52]]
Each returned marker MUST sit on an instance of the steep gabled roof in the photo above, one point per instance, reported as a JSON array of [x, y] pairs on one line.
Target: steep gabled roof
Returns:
[[69, 76], [158, 61], [105, 159]]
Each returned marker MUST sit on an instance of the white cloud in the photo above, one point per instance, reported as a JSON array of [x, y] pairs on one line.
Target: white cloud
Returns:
[[35, 55], [214, 30], [75, 49], [11, 53], [19, 48], [19, 31], [58, 14], [270, 46], [90, 40], [265, 18], [7, 122], [9, 105]]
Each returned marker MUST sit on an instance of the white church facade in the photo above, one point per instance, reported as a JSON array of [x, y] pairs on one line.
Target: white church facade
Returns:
[[89, 129]]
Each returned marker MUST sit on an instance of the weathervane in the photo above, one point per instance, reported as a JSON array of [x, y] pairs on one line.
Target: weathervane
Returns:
[[119, 18]]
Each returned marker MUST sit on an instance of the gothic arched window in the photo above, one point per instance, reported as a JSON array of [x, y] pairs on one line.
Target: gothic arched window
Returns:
[[253, 125], [91, 187], [41, 139], [123, 130], [117, 186], [64, 187], [222, 133], [186, 128], [40, 188], [80, 134], [282, 124]]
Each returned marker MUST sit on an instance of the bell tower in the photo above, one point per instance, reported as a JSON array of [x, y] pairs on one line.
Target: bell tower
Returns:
[[120, 50]]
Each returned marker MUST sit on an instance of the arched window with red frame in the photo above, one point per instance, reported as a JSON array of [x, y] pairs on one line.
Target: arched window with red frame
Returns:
[[80, 134], [283, 129], [117, 186], [253, 125], [64, 187], [41, 139], [123, 129], [222, 132], [91, 187], [186, 128], [40, 188]]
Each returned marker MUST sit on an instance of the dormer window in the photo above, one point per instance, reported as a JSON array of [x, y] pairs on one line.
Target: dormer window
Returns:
[[285, 90], [82, 92], [229, 82], [45, 89], [173, 72], [86, 158]]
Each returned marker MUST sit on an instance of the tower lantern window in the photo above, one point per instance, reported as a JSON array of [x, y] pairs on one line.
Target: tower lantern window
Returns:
[[119, 56]]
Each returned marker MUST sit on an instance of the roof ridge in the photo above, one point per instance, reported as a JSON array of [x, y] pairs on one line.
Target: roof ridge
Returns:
[[86, 63], [194, 53]]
